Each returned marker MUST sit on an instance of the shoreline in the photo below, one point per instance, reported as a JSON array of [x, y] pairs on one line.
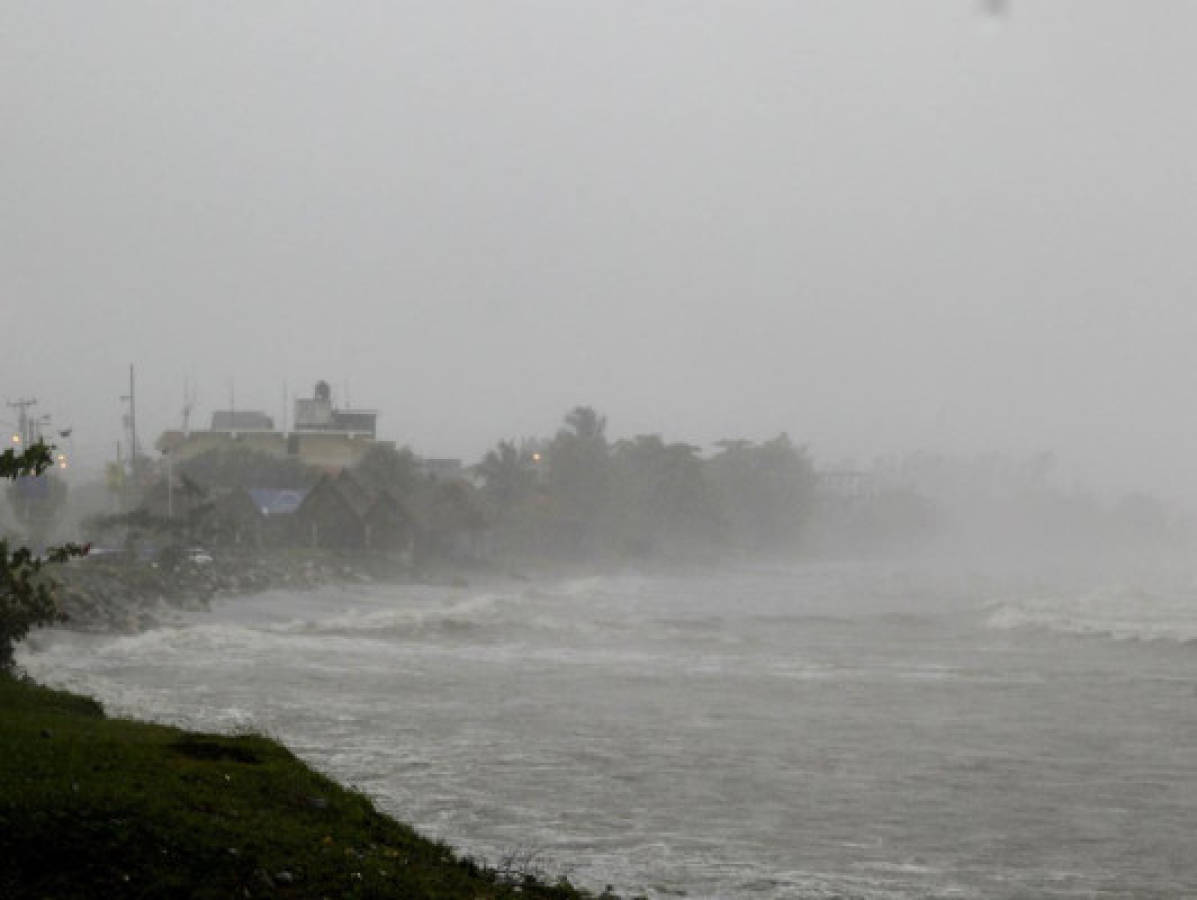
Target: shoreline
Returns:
[[125, 596], [104, 596], [121, 595], [93, 805]]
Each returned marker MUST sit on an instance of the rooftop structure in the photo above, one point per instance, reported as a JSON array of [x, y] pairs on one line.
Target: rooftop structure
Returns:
[[322, 435], [241, 420], [317, 413], [276, 501]]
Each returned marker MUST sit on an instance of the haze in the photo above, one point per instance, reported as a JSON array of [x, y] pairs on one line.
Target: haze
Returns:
[[879, 227]]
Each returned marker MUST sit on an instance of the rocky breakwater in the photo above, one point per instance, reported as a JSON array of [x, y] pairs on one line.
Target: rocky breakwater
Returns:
[[117, 593]]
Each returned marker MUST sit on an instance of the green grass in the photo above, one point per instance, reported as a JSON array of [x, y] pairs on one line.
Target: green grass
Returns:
[[98, 807]]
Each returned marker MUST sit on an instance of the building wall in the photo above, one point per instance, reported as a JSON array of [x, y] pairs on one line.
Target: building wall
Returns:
[[313, 412], [197, 442], [327, 450], [271, 443]]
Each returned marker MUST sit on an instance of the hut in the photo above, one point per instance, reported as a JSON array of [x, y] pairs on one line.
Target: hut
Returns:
[[279, 508], [331, 516], [389, 526], [343, 513]]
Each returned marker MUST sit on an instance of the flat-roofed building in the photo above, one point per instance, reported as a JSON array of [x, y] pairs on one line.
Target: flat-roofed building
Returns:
[[322, 435]]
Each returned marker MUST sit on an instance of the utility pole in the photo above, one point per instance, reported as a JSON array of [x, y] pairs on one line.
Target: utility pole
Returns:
[[122, 486], [131, 421], [24, 431], [24, 435]]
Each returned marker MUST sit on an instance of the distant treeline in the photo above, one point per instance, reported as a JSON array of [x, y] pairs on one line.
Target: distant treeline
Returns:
[[578, 495]]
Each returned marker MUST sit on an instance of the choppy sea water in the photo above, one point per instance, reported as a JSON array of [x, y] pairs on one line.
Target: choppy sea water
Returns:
[[826, 731]]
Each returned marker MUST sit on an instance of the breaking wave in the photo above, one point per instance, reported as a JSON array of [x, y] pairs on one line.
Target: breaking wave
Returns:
[[468, 614], [1121, 613]]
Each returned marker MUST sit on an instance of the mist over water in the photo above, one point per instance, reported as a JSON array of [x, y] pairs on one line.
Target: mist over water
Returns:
[[819, 730], [903, 282]]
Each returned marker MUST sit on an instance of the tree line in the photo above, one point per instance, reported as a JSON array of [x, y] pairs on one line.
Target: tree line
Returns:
[[579, 494]]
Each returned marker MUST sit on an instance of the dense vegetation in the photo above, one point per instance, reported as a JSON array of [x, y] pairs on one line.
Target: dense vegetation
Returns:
[[580, 495], [26, 595]]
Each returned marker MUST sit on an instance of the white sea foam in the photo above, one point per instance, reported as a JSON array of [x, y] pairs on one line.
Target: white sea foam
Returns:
[[202, 642], [469, 612], [1121, 613], [738, 736]]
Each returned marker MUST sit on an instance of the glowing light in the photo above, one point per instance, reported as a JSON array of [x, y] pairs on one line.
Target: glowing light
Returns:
[[16, 439], [535, 457]]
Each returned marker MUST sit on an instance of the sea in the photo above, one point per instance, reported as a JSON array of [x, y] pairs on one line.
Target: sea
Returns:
[[819, 730]]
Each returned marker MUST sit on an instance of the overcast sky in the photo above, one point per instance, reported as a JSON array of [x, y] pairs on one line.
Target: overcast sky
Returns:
[[878, 226]]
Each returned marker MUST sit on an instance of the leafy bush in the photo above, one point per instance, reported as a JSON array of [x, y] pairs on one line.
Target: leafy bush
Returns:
[[26, 596]]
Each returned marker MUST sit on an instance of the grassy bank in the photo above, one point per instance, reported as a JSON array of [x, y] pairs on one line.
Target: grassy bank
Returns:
[[98, 807]]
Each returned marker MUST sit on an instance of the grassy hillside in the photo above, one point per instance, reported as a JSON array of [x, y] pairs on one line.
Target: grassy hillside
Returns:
[[99, 807]]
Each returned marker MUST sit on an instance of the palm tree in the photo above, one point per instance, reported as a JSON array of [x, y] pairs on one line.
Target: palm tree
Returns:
[[586, 423], [386, 469], [507, 474]]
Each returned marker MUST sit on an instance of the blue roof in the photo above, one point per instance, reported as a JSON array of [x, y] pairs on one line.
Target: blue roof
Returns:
[[276, 502]]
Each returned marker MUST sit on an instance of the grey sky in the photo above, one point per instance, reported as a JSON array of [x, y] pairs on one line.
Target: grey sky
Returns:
[[878, 226]]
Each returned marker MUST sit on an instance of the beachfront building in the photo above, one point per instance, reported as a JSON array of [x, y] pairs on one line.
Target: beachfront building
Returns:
[[342, 513], [322, 435]]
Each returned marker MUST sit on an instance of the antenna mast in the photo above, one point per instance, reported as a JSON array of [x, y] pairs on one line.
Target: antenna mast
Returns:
[[188, 405]]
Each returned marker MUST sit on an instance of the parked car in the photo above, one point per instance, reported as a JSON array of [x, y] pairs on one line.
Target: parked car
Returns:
[[197, 555]]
